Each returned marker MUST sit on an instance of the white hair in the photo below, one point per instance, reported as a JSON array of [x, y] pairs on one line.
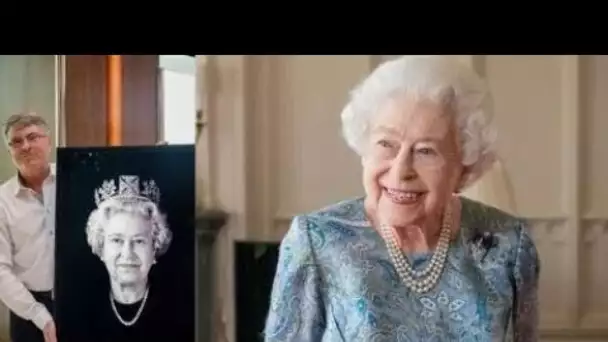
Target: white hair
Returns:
[[441, 79], [148, 210]]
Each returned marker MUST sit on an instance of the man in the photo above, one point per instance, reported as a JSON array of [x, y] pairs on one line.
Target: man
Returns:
[[27, 229]]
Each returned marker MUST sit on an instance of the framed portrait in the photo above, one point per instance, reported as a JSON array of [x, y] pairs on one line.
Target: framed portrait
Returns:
[[125, 244]]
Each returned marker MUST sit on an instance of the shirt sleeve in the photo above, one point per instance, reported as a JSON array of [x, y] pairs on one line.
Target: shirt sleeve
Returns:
[[526, 275], [296, 310], [12, 291]]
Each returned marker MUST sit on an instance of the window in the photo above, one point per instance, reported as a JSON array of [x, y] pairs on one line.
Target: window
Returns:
[[178, 99]]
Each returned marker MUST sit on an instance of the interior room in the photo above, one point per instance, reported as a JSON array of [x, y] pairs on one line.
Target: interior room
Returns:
[[273, 150], [99, 100], [267, 133]]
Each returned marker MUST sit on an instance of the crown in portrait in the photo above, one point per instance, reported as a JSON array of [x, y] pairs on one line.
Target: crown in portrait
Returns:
[[128, 187]]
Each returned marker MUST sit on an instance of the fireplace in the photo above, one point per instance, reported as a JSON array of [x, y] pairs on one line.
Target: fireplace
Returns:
[[208, 224], [255, 267]]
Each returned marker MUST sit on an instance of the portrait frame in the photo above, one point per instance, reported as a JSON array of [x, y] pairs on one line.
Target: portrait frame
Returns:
[[84, 285]]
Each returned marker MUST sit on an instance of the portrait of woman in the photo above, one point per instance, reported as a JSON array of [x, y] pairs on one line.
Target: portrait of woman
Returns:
[[411, 259], [125, 244], [128, 233]]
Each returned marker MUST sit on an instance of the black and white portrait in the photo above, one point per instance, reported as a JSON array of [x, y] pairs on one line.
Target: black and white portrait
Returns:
[[125, 244], [128, 233]]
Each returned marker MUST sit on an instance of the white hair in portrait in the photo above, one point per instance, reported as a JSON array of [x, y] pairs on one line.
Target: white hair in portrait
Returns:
[[128, 198], [441, 79]]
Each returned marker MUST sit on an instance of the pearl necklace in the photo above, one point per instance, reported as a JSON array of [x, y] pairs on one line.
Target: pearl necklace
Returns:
[[139, 311], [424, 280]]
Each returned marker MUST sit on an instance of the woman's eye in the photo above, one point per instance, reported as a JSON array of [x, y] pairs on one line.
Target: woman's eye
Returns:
[[384, 143], [426, 151], [116, 240]]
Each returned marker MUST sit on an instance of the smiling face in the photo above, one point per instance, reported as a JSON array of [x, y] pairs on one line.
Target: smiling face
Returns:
[[128, 251], [412, 163]]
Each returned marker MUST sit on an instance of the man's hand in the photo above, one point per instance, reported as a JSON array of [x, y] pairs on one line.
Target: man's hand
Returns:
[[50, 335]]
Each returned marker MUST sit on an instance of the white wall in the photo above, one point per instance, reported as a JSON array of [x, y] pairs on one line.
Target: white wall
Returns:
[[272, 148], [178, 98], [27, 83]]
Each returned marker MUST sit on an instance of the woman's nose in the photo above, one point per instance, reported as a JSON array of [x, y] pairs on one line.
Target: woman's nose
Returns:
[[127, 249], [403, 166]]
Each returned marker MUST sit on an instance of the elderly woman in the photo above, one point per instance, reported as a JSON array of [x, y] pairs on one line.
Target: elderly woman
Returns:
[[411, 260], [128, 233]]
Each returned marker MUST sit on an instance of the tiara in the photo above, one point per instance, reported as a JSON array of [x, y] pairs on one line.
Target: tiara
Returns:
[[128, 187]]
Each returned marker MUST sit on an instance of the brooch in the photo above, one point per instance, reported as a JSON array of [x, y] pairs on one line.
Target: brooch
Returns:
[[482, 243]]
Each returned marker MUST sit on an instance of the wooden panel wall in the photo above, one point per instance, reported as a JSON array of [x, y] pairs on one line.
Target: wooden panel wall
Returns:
[[85, 100], [141, 100], [86, 95]]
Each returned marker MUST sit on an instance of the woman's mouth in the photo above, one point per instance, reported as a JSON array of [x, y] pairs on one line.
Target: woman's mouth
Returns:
[[404, 197]]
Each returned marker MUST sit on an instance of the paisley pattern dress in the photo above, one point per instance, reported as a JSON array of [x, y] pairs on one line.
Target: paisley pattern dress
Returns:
[[335, 282]]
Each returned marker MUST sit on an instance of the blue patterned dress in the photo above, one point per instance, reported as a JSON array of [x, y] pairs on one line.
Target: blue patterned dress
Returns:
[[335, 282]]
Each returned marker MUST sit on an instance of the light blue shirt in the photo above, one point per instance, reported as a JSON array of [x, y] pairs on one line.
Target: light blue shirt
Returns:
[[335, 282]]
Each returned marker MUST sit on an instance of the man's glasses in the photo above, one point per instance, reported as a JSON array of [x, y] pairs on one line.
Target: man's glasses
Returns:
[[18, 142]]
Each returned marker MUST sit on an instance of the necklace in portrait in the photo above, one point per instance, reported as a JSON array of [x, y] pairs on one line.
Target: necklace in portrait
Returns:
[[139, 311], [420, 281]]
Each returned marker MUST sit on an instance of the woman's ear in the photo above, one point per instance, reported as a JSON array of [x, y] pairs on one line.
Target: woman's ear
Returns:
[[464, 175]]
